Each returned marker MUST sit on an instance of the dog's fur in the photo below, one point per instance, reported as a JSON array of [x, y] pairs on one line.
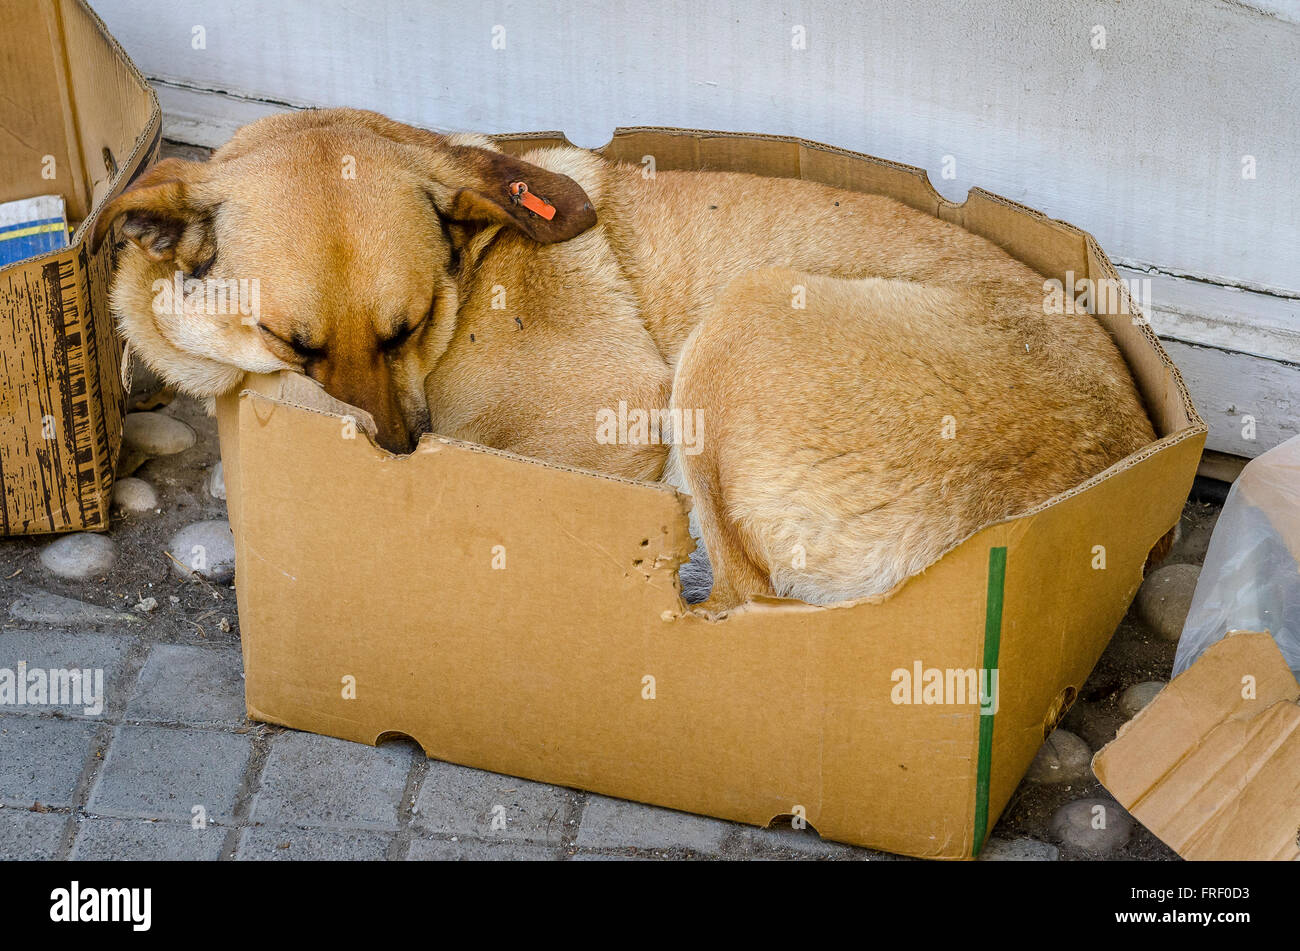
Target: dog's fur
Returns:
[[419, 291]]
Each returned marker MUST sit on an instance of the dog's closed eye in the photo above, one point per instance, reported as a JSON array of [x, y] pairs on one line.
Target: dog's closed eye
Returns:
[[404, 332], [397, 339], [300, 349]]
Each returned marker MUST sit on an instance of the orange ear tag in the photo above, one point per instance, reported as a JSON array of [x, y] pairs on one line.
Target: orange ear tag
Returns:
[[539, 206]]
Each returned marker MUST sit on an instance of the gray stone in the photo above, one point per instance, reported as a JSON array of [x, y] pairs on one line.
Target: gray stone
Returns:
[[140, 840], [217, 482], [474, 850], [156, 434], [42, 759], [1132, 700], [314, 780], [1165, 597], [1019, 850], [1098, 826], [312, 844], [44, 607], [460, 801], [29, 836], [207, 548], [617, 823], [152, 772], [134, 495], [197, 686], [1064, 758], [80, 556], [100, 660]]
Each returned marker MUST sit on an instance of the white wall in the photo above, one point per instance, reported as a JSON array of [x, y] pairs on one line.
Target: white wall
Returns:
[[1141, 142]]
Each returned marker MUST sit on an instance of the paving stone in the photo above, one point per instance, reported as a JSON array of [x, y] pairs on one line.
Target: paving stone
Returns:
[[119, 840], [42, 759], [101, 659], [1019, 850], [618, 823], [29, 836], [598, 857], [1165, 597], [786, 840], [80, 556], [475, 850], [134, 495], [312, 844], [1064, 758], [459, 801], [45, 607], [154, 772], [207, 548], [1132, 700], [1098, 826], [199, 686], [156, 434], [311, 780], [217, 482]]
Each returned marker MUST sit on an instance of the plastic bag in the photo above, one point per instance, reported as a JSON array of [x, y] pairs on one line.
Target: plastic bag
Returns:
[[1251, 577]]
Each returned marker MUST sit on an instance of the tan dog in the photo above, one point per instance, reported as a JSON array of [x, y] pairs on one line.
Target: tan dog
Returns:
[[863, 385]]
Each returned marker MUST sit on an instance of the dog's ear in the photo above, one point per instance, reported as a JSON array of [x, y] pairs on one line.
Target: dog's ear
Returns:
[[477, 186], [159, 209]]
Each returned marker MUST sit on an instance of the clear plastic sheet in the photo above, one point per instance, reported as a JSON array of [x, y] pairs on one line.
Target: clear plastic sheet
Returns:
[[1251, 577]]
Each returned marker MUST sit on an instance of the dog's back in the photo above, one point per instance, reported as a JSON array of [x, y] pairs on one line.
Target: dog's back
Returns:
[[852, 442]]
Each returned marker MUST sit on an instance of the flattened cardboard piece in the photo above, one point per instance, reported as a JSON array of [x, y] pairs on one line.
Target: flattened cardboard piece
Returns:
[[76, 109], [1212, 764], [525, 618]]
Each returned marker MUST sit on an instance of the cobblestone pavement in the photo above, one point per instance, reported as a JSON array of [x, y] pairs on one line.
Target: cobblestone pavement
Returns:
[[171, 768]]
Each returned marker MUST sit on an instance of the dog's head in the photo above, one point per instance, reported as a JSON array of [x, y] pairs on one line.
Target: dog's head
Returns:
[[327, 242]]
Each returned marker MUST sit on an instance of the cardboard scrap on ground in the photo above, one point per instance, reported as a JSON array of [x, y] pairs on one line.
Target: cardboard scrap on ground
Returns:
[[1212, 764]]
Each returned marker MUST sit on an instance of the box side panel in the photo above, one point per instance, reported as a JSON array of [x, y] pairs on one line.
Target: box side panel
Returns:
[[1050, 247], [31, 109], [1072, 570], [51, 424], [531, 625]]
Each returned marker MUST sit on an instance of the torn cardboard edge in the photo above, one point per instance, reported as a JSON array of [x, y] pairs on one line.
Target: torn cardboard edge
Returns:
[[1212, 765]]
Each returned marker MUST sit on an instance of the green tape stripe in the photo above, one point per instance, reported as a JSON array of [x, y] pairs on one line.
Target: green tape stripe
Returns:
[[992, 643]]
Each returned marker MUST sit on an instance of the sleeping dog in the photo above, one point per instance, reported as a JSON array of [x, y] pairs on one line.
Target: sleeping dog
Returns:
[[865, 385]]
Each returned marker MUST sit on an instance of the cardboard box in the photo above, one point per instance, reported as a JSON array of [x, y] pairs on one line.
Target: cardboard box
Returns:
[[1212, 764], [524, 618], [77, 120]]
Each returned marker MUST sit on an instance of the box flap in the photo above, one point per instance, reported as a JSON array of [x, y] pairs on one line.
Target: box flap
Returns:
[[1212, 764]]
